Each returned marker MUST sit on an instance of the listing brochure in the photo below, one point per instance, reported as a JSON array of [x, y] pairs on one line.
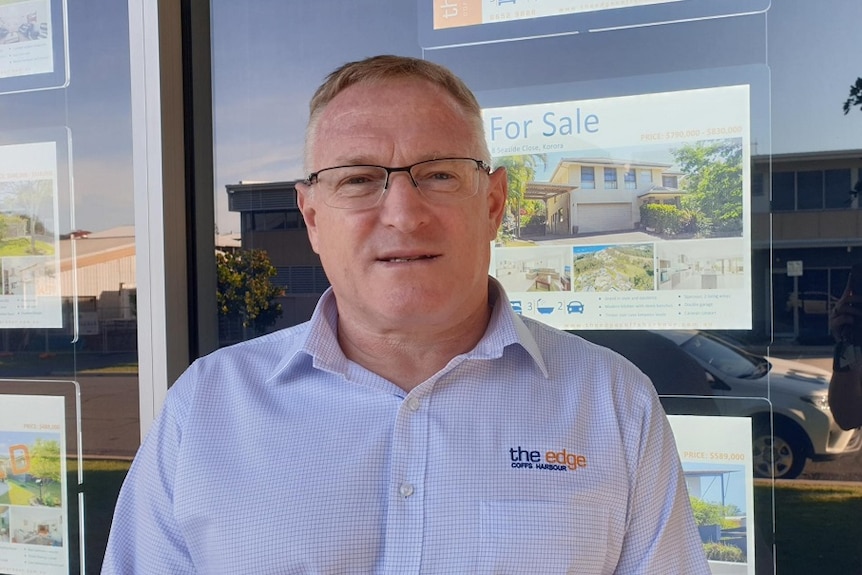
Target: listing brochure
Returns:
[[26, 41], [718, 468], [33, 502], [456, 13], [629, 212], [29, 237]]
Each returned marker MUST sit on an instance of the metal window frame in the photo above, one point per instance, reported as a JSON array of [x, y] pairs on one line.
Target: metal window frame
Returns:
[[173, 192]]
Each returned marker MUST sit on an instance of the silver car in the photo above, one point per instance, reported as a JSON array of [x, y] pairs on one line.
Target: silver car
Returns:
[[684, 363]]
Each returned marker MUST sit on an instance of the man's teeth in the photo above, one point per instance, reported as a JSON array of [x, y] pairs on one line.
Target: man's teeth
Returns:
[[401, 260]]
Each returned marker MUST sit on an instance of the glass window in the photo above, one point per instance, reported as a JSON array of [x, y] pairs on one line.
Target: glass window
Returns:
[[610, 178], [645, 177], [802, 168], [267, 220], [69, 280], [588, 177], [783, 191], [809, 190], [838, 187], [757, 184]]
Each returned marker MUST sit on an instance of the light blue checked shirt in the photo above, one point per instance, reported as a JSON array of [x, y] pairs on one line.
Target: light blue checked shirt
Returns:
[[536, 452]]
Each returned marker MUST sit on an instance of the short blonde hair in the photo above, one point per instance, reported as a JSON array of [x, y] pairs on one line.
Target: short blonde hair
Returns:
[[378, 69]]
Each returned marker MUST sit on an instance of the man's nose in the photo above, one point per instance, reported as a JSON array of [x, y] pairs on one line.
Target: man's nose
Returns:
[[393, 176], [403, 206]]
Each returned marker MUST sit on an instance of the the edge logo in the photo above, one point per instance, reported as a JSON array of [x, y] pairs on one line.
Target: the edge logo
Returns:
[[552, 461]]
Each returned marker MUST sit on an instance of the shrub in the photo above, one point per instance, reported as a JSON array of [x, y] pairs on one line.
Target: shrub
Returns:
[[663, 218], [722, 552], [706, 513]]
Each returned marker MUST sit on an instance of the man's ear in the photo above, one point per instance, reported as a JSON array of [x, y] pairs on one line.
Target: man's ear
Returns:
[[498, 193], [305, 201]]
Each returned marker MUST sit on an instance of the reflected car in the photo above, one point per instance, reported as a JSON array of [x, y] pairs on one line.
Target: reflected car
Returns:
[[803, 426], [698, 363]]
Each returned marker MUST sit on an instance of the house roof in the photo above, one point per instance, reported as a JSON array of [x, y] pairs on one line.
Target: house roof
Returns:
[[661, 191], [545, 191], [612, 162]]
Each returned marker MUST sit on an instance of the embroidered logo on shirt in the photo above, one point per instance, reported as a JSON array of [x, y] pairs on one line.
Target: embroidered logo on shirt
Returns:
[[551, 461]]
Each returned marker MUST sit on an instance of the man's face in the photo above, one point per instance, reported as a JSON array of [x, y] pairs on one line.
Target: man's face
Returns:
[[405, 263]]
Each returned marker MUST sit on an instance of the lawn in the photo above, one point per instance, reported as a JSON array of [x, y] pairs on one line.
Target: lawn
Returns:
[[102, 481], [23, 492], [36, 364], [17, 494], [818, 528], [21, 247]]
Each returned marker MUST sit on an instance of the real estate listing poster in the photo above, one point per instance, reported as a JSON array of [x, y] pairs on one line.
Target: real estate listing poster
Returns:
[[455, 13], [33, 53], [449, 23], [629, 212], [33, 506], [717, 463], [29, 236]]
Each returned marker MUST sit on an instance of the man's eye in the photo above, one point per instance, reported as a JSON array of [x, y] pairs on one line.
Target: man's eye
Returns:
[[440, 176]]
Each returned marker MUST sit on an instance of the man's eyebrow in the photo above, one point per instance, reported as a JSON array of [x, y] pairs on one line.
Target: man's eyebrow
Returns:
[[367, 161], [353, 161]]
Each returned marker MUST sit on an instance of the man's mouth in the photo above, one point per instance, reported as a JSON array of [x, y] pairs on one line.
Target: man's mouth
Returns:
[[400, 260]]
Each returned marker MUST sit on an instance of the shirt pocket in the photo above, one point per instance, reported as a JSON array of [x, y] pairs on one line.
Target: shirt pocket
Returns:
[[543, 536]]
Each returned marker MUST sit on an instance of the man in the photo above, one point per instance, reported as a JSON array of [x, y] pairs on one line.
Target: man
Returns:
[[415, 424]]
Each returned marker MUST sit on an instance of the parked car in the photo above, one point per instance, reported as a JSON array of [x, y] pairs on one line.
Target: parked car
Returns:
[[802, 424]]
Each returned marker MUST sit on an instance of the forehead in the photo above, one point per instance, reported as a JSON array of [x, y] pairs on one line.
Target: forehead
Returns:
[[395, 118]]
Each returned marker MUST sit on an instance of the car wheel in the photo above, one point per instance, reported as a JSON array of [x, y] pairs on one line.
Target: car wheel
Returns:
[[781, 456]]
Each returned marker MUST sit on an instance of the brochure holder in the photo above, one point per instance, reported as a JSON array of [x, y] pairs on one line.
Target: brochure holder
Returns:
[[734, 510], [41, 478]]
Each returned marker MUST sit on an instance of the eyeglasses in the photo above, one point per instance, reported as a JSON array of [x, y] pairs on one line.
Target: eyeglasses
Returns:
[[360, 187]]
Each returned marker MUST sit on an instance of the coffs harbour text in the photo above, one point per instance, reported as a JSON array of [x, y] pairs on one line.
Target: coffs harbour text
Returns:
[[552, 461]]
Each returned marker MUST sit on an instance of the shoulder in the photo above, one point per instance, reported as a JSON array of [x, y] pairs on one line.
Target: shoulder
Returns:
[[250, 363], [566, 352]]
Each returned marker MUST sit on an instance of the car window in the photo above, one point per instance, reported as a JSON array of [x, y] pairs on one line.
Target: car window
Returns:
[[727, 360]]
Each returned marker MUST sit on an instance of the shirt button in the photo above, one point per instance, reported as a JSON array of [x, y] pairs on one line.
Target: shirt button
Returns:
[[405, 489], [413, 404]]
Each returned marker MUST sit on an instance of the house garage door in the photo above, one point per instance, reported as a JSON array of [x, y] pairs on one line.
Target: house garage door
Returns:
[[604, 217]]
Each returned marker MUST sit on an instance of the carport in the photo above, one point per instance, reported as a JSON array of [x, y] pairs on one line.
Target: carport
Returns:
[[544, 191]]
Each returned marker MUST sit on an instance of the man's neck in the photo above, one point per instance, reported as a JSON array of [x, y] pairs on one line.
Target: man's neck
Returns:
[[407, 356]]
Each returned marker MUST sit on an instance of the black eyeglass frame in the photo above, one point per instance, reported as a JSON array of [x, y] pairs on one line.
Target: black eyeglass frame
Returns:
[[312, 178]]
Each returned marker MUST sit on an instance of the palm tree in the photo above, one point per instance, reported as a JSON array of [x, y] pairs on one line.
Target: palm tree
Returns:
[[520, 170]]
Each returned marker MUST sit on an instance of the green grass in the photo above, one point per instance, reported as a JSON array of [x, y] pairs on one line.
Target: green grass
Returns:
[[818, 527], [21, 247], [32, 364], [102, 482], [513, 243], [18, 494], [120, 368]]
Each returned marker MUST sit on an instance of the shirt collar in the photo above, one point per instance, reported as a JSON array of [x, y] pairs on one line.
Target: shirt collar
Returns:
[[320, 344], [506, 328]]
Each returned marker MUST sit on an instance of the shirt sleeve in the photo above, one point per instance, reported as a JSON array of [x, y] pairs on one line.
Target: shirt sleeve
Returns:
[[661, 536], [145, 537]]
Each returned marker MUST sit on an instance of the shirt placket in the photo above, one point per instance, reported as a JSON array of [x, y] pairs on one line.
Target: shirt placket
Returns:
[[406, 493]]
